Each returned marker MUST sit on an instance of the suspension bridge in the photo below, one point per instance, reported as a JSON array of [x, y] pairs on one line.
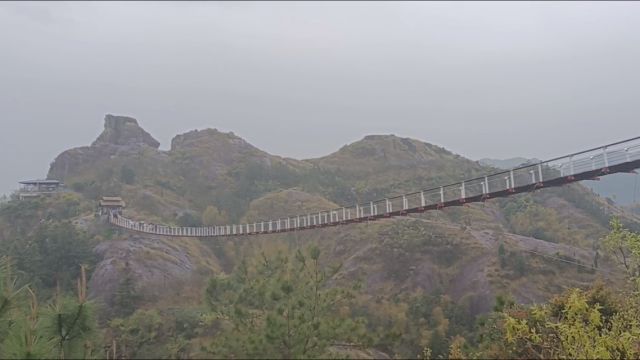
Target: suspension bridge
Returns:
[[618, 157]]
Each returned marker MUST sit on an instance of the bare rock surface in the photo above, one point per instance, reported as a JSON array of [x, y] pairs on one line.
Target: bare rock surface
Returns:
[[124, 130], [159, 266]]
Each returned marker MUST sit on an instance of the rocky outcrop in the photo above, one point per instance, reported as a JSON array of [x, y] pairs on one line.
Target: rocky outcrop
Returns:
[[210, 154], [160, 267], [212, 140], [121, 136], [125, 131]]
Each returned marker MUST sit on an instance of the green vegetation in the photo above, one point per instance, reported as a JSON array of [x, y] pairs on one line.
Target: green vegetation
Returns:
[[281, 308], [596, 323], [287, 305], [126, 297], [212, 216], [127, 175], [188, 219], [526, 217], [65, 328], [47, 248]]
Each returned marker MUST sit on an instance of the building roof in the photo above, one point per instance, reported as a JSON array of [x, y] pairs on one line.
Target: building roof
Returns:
[[39, 182], [112, 201]]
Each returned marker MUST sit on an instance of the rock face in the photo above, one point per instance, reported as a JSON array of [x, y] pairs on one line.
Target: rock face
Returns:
[[123, 130], [209, 154], [159, 266], [212, 140], [121, 135]]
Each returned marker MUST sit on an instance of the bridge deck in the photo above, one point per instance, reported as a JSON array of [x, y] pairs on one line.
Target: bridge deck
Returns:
[[623, 156]]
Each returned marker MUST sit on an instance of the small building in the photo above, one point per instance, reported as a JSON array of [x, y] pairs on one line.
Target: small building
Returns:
[[111, 205], [35, 188]]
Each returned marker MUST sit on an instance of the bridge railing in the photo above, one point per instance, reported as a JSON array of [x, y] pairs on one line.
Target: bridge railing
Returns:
[[505, 181], [497, 184]]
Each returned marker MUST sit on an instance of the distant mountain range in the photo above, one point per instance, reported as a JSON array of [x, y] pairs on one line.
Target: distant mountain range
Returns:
[[506, 163], [623, 189]]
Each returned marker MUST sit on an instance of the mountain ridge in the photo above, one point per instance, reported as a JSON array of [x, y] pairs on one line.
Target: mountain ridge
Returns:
[[454, 251]]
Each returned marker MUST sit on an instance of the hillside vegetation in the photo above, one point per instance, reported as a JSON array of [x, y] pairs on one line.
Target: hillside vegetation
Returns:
[[422, 285]]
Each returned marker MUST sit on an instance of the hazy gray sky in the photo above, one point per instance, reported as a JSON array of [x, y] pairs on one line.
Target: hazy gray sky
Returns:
[[302, 79]]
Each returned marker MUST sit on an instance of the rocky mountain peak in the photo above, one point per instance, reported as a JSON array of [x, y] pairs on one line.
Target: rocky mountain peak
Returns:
[[389, 149], [124, 130], [208, 138]]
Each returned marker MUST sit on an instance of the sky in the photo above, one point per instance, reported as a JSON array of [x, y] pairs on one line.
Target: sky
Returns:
[[496, 79]]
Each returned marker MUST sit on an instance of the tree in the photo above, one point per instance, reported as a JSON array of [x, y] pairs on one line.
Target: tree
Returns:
[[127, 175], [54, 253], [10, 296], [503, 302], [212, 216], [187, 218], [281, 308], [597, 323], [625, 246], [502, 255], [520, 266], [438, 343], [138, 335], [23, 340], [126, 297], [64, 329], [573, 326], [70, 323]]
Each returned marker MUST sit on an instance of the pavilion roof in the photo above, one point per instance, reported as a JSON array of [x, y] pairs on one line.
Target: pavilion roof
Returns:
[[112, 201], [40, 182]]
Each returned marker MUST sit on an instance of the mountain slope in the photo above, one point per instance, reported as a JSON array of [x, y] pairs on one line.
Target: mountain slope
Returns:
[[455, 251]]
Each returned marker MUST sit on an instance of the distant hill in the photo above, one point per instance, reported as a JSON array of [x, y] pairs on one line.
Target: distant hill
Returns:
[[623, 189], [506, 163]]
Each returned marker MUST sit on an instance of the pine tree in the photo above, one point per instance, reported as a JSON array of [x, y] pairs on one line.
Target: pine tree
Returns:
[[126, 297], [502, 255], [70, 322], [280, 308], [64, 329]]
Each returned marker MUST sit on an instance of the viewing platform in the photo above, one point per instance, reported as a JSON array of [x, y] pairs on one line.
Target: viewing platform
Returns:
[[35, 188]]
